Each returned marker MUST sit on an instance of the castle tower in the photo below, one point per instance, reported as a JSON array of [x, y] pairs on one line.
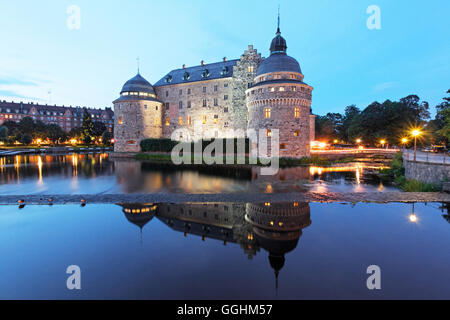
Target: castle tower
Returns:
[[137, 115], [280, 100]]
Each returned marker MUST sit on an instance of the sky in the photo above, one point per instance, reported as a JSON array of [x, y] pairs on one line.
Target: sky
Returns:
[[44, 59]]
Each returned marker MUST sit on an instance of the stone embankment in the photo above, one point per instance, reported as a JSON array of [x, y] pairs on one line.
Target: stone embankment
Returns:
[[378, 197]]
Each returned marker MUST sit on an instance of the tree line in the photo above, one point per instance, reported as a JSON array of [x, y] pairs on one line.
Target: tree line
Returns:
[[390, 121], [28, 130]]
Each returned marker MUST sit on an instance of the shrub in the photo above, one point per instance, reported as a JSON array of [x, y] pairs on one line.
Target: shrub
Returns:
[[157, 145]]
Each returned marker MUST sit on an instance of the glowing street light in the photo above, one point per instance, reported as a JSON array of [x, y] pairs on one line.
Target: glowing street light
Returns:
[[415, 133], [358, 141], [382, 142], [404, 142]]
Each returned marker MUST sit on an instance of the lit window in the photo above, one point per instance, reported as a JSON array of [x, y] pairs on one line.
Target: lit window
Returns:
[[167, 121], [189, 120], [157, 121], [297, 113], [180, 121], [294, 88], [216, 119], [281, 89], [204, 119], [251, 69], [269, 133], [267, 113], [297, 133], [272, 89], [120, 121]]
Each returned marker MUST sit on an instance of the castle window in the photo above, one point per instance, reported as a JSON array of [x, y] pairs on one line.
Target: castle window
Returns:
[[189, 104], [294, 88], [225, 85], [157, 121], [145, 107], [225, 109], [189, 120], [180, 121], [204, 89], [297, 133], [120, 120], [180, 105], [297, 113], [283, 146], [272, 89], [205, 73], [269, 133], [225, 124], [204, 102], [277, 77], [216, 88], [167, 121], [189, 91], [167, 105], [157, 108], [216, 102], [281, 89], [292, 76], [267, 113], [225, 70], [169, 79], [216, 119], [204, 119], [186, 76], [251, 69], [167, 93], [181, 92], [225, 97]]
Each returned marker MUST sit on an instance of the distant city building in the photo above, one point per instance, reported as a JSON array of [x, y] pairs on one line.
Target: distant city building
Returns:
[[66, 117], [223, 99]]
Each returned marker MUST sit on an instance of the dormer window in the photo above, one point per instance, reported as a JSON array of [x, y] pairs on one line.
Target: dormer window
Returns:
[[169, 79], [225, 70], [186, 76], [205, 73]]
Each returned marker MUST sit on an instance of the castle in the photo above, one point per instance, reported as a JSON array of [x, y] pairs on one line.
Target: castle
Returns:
[[220, 100]]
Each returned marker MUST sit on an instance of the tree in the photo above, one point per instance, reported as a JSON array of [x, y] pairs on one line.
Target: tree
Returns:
[[98, 128], [87, 127], [3, 133], [351, 112], [106, 137], [55, 133], [441, 123], [26, 139]]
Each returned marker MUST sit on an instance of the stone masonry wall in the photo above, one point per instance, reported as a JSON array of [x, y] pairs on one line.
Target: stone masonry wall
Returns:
[[134, 121], [427, 172]]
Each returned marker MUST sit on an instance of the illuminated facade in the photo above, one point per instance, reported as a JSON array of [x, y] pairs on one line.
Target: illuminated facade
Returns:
[[220, 100]]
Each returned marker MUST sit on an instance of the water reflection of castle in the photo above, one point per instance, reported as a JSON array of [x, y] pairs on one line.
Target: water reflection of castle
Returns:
[[275, 227]]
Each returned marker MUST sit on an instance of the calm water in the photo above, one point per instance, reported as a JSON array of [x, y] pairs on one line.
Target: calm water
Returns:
[[95, 173], [225, 250]]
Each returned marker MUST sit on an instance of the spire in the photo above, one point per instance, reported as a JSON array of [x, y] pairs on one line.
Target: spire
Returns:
[[138, 65], [278, 29]]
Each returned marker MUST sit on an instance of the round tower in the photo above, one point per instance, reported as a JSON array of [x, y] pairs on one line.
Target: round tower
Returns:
[[137, 115], [280, 100]]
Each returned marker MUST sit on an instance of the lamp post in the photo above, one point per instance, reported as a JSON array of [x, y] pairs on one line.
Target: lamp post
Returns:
[[382, 142], [415, 134]]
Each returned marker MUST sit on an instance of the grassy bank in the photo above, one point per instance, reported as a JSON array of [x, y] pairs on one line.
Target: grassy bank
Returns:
[[397, 174], [283, 162]]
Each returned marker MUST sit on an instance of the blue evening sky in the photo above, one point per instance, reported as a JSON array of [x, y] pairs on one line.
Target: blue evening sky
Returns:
[[340, 57]]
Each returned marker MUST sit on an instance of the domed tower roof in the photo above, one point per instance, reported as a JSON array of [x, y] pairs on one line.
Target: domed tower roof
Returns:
[[138, 84], [278, 61]]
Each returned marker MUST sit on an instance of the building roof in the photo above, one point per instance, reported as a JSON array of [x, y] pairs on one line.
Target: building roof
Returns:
[[24, 108], [278, 61], [138, 84], [205, 72]]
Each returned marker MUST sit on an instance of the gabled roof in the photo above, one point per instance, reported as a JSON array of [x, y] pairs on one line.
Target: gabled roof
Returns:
[[198, 73]]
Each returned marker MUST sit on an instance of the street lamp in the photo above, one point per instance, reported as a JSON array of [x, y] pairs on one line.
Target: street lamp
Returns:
[[358, 141], [404, 142], [415, 134], [383, 142]]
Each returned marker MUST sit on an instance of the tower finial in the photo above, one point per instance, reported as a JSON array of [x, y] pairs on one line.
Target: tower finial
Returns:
[[278, 29], [138, 65]]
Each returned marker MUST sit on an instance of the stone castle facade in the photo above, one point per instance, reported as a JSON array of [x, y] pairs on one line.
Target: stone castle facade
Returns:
[[221, 100]]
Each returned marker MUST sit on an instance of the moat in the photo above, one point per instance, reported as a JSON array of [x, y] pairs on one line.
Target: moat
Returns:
[[97, 174], [225, 251]]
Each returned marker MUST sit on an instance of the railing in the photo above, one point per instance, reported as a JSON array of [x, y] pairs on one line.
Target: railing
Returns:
[[427, 157]]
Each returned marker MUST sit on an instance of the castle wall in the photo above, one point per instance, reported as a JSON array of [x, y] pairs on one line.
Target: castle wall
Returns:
[[134, 121], [294, 132]]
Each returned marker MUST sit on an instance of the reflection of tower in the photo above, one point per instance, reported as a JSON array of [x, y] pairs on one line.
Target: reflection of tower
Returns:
[[278, 227], [139, 214], [446, 206]]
